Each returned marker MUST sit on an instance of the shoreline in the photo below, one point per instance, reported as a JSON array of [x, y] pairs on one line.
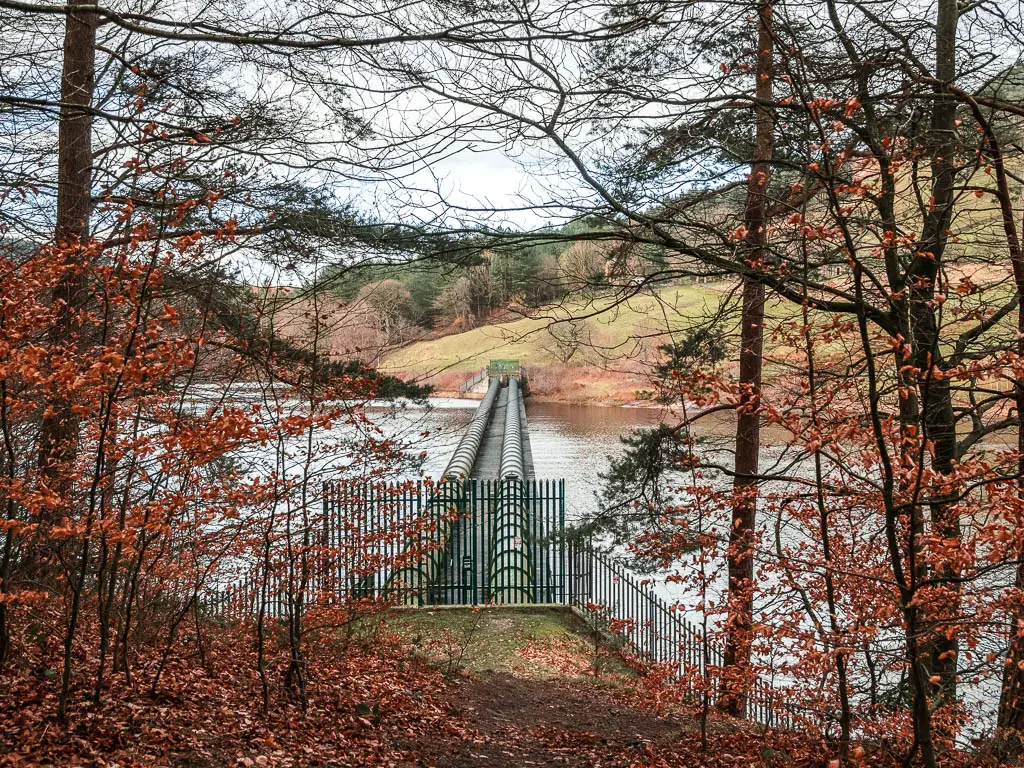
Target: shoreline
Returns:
[[557, 399], [562, 384]]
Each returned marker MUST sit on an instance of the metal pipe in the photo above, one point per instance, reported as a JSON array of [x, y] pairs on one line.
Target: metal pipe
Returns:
[[462, 461], [414, 580], [511, 571], [512, 439]]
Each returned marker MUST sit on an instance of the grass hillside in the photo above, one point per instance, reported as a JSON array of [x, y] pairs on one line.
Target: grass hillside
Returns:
[[604, 346]]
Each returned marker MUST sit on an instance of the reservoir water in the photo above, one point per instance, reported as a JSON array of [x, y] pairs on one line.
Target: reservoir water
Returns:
[[574, 442]]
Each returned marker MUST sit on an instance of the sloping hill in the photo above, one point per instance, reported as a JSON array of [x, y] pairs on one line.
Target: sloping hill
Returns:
[[604, 341]]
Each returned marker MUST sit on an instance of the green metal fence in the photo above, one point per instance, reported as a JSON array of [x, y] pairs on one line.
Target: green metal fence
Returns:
[[448, 556]]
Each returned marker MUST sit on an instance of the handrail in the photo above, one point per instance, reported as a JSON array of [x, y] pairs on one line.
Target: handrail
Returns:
[[654, 631], [474, 380]]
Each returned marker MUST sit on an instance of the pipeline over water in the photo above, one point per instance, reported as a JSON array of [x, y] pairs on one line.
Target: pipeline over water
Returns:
[[462, 461], [510, 575], [413, 579], [512, 439]]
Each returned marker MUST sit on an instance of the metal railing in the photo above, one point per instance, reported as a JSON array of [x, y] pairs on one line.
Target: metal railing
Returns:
[[613, 599], [471, 382], [454, 532], [651, 627]]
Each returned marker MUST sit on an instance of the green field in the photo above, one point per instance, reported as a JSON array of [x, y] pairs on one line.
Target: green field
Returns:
[[617, 339], [607, 328]]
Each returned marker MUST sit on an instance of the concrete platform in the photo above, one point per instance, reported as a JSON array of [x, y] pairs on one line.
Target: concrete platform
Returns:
[[488, 460]]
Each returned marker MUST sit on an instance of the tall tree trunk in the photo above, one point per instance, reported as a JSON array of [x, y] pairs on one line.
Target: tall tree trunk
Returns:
[[1011, 702], [936, 396], [1010, 720], [59, 430], [740, 619]]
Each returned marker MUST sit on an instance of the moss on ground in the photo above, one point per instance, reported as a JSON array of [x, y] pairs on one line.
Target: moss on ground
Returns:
[[532, 642]]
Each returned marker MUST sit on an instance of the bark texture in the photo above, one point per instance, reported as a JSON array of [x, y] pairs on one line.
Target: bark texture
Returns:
[[748, 422]]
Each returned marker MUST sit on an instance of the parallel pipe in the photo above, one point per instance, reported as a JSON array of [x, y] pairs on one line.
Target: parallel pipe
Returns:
[[511, 574], [462, 461], [412, 581], [512, 439]]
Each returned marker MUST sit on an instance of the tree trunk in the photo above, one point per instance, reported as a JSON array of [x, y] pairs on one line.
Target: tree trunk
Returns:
[[739, 625], [1010, 720], [1011, 701], [58, 436], [59, 431], [936, 397]]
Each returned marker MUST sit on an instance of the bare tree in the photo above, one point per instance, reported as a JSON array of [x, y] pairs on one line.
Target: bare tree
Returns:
[[567, 339], [743, 530]]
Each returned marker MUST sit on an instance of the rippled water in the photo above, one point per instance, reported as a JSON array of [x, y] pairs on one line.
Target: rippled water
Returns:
[[577, 441]]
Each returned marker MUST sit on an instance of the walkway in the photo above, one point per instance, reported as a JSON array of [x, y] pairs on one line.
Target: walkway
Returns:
[[516, 721], [488, 460]]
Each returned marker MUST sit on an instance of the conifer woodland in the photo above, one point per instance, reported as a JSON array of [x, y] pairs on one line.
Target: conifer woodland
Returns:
[[218, 220]]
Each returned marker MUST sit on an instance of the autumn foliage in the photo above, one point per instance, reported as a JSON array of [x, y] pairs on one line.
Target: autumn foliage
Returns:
[[168, 573], [166, 491]]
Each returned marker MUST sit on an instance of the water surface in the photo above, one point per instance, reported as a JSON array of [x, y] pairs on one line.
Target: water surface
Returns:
[[577, 442], [574, 442]]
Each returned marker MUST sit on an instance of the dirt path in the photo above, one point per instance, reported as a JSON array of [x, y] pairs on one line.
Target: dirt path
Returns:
[[521, 722]]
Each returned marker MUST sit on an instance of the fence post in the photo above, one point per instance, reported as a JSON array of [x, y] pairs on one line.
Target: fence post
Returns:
[[652, 636], [561, 532]]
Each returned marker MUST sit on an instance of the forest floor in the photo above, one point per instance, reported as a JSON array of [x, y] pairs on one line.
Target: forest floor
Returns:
[[517, 721], [536, 687], [426, 688], [531, 686]]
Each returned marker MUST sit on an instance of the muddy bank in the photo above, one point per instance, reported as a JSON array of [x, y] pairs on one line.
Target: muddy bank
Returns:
[[568, 384]]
